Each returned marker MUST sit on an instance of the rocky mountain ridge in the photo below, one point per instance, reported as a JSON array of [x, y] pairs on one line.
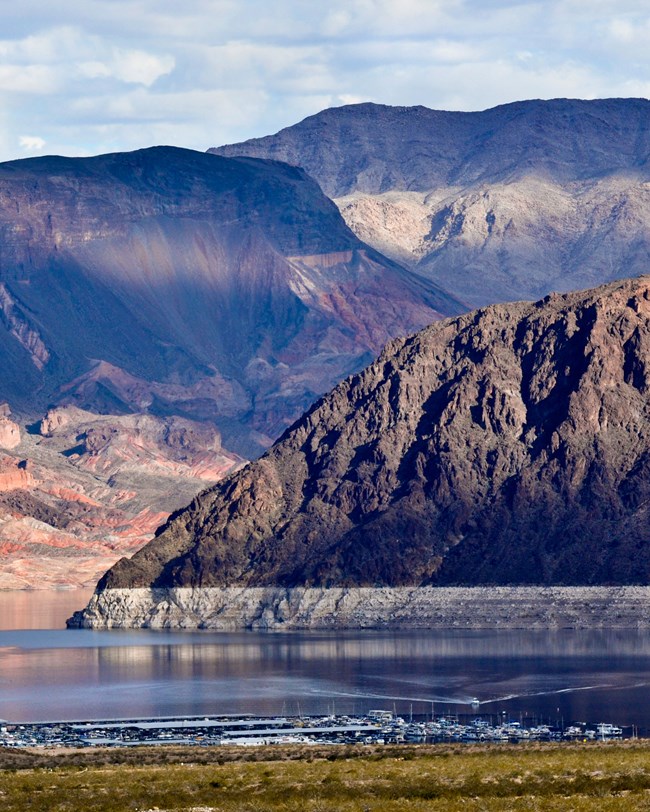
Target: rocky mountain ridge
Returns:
[[505, 204], [507, 446], [376, 148]]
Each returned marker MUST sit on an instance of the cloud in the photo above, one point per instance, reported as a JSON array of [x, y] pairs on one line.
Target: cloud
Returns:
[[29, 80], [132, 67], [31, 143], [71, 51], [346, 98], [629, 39], [98, 75]]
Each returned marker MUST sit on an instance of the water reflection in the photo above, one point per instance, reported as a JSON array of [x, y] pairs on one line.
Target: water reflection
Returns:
[[40, 609], [49, 673], [578, 675]]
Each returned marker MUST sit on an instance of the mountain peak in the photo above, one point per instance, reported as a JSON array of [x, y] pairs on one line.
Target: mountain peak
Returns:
[[418, 149], [236, 289]]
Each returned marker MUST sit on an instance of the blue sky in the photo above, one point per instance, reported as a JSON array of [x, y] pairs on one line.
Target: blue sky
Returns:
[[82, 77]]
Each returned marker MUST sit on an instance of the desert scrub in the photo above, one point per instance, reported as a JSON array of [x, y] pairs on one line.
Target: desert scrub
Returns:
[[583, 778]]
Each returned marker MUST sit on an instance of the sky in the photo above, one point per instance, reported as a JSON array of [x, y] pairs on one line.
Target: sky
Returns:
[[84, 77]]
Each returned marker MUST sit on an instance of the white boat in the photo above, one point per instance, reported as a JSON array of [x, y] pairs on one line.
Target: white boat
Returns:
[[606, 731]]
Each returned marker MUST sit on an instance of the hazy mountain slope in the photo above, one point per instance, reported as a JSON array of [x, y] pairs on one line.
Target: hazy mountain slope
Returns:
[[375, 148], [509, 445], [504, 204], [169, 281]]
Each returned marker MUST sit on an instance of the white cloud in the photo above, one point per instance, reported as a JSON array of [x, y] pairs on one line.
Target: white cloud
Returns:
[[336, 22], [630, 39], [240, 63], [138, 67], [454, 52], [31, 143], [132, 67], [30, 80], [45, 46], [383, 18], [348, 98], [622, 30], [72, 51]]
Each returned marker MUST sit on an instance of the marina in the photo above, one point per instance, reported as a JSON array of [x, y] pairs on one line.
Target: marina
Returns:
[[377, 727]]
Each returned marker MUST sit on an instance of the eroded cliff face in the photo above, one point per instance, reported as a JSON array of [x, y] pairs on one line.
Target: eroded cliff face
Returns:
[[519, 239], [504, 204], [9, 433], [507, 446], [164, 289]]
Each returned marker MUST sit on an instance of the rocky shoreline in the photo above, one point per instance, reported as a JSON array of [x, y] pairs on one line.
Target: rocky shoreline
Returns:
[[276, 608]]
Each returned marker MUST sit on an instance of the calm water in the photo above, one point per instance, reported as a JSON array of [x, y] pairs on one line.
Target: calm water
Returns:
[[49, 673]]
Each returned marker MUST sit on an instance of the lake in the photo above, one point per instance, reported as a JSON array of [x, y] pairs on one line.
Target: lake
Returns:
[[49, 673]]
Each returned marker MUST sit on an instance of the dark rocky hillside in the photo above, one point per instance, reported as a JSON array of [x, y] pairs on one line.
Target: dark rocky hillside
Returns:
[[509, 445], [374, 148], [505, 204]]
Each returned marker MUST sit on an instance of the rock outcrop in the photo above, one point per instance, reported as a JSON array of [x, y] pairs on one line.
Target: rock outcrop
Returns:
[[168, 281], [9, 433], [89, 489], [505, 204], [510, 445], [14, 475]]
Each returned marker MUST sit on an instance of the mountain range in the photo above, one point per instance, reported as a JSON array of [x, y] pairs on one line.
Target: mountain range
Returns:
[[174, 282], [506, 204], [166, 314]]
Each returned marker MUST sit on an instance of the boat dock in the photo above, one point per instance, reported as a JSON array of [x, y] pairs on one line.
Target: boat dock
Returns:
[[378, 727]]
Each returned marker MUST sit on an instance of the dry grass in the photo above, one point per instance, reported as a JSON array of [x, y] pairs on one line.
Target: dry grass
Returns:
[[580, 778]]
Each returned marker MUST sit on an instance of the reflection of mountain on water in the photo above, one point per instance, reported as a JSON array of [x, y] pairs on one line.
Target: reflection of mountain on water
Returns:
[[86, 674], [39, 609], [54, 674], [400, 645]]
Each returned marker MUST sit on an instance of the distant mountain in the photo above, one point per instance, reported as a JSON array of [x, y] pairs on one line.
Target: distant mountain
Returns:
[[510, 445], [172, 282], [505, 204]]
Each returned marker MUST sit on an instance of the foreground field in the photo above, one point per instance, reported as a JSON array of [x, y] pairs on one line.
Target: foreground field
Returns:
[[580, 778]]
